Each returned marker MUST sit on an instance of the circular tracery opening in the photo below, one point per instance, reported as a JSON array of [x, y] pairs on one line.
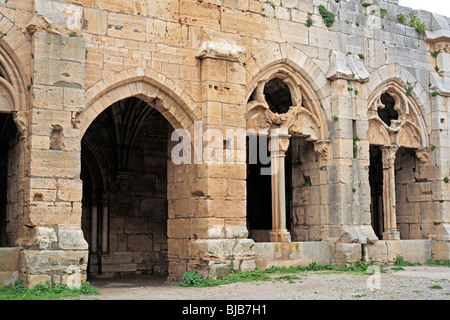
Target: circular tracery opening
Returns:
[[388, 113], [278, 96]]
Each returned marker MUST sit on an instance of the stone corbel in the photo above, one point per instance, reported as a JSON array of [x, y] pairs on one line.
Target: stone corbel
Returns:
[[220, 46], [20, 119], [423, 154], [322, 147], [75, 119]]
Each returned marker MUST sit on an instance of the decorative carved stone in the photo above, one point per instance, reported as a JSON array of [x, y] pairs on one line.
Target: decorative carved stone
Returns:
[[322, 148], [423, 154], [406, 131]]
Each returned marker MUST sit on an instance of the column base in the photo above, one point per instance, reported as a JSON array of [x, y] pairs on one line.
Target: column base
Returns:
[[280, 235], [391, 235]]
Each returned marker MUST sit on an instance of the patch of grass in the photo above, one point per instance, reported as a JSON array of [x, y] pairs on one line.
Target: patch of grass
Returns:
[[435, 287], [17, 291], [445, 263], [287, 277], [398, 268], [192, 279], [399, 262]]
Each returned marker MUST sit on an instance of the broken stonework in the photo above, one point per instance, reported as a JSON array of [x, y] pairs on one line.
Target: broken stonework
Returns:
[[55, 17], [347, 66]]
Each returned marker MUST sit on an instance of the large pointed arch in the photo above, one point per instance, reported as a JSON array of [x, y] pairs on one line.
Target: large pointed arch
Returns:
[[176, 105]]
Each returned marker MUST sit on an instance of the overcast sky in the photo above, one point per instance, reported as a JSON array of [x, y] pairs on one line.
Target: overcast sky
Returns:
[[437, 6]]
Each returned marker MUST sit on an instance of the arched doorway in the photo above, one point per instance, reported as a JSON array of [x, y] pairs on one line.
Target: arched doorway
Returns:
[[124, 172], [9, 163]]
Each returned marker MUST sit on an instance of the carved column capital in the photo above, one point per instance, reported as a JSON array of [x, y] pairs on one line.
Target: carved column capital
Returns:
[[278, 141], [388, 156]]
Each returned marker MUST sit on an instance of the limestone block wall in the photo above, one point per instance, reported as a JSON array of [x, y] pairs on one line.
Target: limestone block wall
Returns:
[[203, 60]]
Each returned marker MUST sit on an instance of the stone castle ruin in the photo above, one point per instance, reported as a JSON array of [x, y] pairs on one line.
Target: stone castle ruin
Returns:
[[163, 136]]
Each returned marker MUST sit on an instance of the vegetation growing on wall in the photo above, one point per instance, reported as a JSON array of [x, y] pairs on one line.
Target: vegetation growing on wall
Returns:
[[327, 16]]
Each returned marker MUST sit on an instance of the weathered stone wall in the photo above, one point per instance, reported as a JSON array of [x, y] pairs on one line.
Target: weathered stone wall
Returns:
[[203, 60]]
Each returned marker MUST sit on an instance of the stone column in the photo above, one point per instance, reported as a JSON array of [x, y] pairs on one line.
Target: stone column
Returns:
[[214, 214], [55, 250], [94, 228], [390, 223], [278, 145]]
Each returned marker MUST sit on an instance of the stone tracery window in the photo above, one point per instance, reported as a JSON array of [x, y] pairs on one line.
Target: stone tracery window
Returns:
[[282, 106], [395, 122]]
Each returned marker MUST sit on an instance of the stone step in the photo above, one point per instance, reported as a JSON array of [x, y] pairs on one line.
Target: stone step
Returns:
[[9, 266]]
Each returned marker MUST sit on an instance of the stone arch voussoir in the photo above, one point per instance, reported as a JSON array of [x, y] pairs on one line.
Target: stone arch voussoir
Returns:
[[291, 61], [177, 106], [15, 61], [288, 55], [392, 73]]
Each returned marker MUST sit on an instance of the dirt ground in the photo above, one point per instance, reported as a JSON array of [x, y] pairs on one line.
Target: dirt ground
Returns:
[[412, 283]]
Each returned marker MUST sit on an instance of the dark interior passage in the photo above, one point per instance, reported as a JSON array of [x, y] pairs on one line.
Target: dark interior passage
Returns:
[[259, 188], [8, 137], [376, 189], [124, 173]]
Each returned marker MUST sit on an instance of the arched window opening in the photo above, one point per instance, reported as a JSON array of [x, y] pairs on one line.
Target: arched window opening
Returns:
[[278, 96], [388, 113]]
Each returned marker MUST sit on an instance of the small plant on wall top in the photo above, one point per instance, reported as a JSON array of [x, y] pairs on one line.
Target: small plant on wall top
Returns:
[[401, 17], [417, 24]]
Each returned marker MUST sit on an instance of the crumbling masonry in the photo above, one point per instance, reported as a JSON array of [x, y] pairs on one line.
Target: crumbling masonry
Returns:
[[301, 134]]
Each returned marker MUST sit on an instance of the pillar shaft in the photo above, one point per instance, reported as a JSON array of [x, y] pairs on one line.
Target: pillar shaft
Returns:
[[278, 145], [390, 222]]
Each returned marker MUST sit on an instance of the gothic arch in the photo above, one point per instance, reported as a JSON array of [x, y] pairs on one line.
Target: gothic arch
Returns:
[[14, 70], [307, 84], [412, 102], [12, 90], [148, 85], [409, 130], [291, 57]]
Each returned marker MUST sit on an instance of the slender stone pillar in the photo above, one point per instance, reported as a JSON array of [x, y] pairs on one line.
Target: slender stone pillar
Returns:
[[94, 229], [105, 226], [278, 145], [390, 222]]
